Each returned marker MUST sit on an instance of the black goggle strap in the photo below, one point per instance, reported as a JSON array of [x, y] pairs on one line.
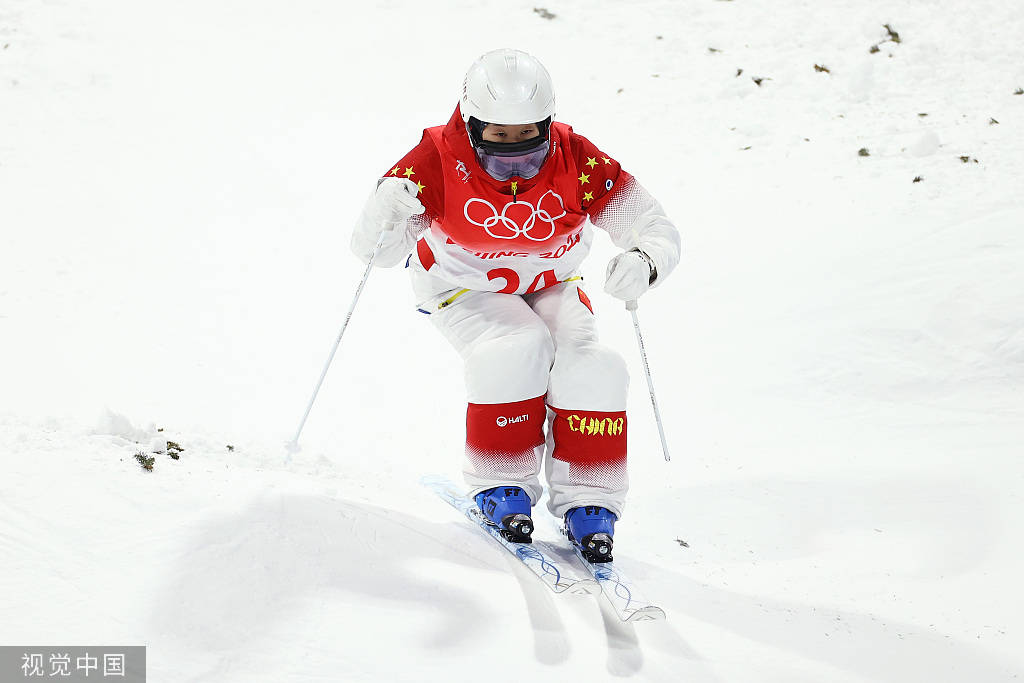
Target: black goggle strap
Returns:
[[476, 129]]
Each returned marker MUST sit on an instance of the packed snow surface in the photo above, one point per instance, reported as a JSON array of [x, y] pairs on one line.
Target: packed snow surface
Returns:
[[839, 357]]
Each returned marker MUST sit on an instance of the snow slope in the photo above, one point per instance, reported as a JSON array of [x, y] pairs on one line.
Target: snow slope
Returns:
[[839, 357]]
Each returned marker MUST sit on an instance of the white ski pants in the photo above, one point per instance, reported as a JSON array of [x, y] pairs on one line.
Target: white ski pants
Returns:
[[541, 390]]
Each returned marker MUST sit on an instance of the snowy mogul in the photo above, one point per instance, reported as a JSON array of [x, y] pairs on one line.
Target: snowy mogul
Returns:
[[489, 213]]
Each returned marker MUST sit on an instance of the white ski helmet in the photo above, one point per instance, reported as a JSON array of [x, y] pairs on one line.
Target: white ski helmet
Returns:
[[507, 87]]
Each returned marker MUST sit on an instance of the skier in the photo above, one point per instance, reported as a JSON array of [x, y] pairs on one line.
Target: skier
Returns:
[[489, 213]]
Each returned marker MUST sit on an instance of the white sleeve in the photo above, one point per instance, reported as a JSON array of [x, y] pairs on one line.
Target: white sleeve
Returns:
[[635, 220]]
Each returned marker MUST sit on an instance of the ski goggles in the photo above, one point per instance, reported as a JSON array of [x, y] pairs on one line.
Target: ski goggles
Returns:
[[503, 161]]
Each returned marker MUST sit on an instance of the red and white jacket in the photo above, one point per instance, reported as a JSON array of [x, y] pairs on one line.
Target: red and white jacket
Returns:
[[521, 235]]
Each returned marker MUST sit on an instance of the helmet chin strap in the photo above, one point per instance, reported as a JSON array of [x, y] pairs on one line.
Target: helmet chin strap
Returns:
[[475, 130]]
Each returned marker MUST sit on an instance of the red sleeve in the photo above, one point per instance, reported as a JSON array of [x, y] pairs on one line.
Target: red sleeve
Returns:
[[422, 165], [600, 175]]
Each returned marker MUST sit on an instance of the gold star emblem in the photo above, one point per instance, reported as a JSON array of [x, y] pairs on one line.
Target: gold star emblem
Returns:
[[515, 186], [591, 162], [607, 160], [420, 186], [588, 196], [584, 178], [394, 171], [409, 172]]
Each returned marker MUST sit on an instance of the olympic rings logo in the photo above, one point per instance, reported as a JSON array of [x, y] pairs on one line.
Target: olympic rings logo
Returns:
[[510, 228]]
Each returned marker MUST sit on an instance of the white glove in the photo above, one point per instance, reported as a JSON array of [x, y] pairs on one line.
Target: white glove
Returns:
[[628, 275], [395, 201], [387, 210]]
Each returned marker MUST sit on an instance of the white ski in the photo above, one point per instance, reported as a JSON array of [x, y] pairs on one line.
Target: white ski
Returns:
[[550, 562], [620, 592]]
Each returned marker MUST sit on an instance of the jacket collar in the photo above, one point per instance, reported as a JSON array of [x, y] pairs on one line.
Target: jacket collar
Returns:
[[456, 137]]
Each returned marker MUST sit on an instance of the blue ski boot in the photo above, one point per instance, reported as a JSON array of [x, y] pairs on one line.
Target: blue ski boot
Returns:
[[508, 508], [590, 528]]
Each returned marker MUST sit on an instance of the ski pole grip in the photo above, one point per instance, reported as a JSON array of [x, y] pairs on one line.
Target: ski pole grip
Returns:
[[631, 305]]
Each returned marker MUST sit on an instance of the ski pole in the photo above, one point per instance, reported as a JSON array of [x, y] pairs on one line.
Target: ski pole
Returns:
[[631, 306], [293, 445]]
